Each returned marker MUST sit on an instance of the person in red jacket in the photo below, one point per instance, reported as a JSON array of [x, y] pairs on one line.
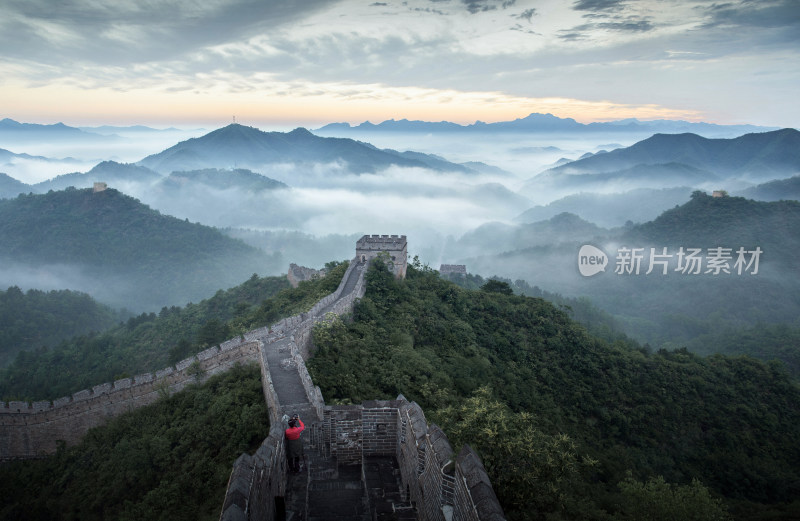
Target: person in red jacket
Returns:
[[294, 445]]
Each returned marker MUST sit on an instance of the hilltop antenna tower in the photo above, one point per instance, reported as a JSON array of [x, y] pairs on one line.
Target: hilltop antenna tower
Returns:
[[234, 120]]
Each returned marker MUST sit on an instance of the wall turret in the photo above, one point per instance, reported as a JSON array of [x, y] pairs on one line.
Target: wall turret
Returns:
[[393, 247]]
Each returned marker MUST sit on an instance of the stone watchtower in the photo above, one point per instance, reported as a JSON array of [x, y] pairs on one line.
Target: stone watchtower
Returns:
[[394, 247]]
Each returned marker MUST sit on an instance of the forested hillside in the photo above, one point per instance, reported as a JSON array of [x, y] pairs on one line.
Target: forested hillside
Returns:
[[151, 341], [170, 460], [571, 426], [37, 318], [729, 221], [674, 308], [582, 310], [121, 251]]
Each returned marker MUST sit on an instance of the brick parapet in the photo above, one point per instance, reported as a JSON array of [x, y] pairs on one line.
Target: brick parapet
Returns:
[[343, 433], [441, 486], [274, 408], [266, 335], [475, 499], [257, 480], [30, 430], [270, 475]]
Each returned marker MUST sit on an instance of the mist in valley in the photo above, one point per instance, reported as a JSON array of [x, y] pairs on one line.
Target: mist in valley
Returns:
[[506, 214]]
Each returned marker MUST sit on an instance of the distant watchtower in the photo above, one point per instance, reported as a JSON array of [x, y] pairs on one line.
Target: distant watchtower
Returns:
[[453, 269], [394, 247]]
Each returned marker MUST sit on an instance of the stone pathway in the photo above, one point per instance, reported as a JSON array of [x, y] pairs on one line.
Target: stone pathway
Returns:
[[323, 490]]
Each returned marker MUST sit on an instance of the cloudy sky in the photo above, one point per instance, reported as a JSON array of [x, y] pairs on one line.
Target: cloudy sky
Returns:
[[287, 62]]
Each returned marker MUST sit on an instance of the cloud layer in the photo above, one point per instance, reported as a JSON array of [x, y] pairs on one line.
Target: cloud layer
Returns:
[[729, 62]]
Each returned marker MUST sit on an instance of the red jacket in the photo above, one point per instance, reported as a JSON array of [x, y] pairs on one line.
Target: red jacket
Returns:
[[293, 433]]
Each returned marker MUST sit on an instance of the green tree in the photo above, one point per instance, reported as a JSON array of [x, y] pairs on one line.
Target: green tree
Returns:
[[657, 500], [534, 474], [497, 286]]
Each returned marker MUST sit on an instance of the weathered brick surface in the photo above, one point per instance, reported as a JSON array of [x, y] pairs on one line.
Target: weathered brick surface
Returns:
[[40, 406], [475, 497], [124, 383], [143, 378], [379, 423], [36, 430], [344, 433]]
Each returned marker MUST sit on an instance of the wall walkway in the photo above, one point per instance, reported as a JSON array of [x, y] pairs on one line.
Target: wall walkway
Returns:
[[378, 460]]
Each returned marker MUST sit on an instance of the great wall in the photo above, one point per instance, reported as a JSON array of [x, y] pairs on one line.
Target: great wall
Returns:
[[374, 461]]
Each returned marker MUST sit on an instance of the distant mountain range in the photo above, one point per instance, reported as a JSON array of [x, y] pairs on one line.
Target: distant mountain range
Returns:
[[670, 160], [612, 209], [133, 129], [109, 172], [537, 122], [639, 176], [118, 175], [675, 307], [10, 187], [716, 221], [15, 132], [498, 237], [8, 160], [768, 152], [250, 147], [7, 155]]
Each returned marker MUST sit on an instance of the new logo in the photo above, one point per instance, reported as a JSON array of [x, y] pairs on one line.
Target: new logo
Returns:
[[591, 260]]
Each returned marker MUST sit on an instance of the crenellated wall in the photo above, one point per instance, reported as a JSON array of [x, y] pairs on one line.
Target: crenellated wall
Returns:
[[257, 480], [32, 430], [442, 488]]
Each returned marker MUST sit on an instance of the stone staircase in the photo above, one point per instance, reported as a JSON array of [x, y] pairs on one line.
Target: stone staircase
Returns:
[[324, 490], [377, 461]]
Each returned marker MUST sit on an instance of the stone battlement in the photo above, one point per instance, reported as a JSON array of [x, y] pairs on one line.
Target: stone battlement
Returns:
[[32, 430], [392, 248], [379, 241]]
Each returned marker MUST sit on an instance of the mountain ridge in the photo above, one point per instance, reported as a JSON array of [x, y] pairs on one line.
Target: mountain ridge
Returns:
[[538, 122], [684, 159], [248, 146], [15, 131], [714, 154], [119, 250]]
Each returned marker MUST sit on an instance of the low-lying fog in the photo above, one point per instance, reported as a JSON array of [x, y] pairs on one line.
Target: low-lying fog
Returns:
[[58, 156], [447, 217], [425, 205], [521, 154]]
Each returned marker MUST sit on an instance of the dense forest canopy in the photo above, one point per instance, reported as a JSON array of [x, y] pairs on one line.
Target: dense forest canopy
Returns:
[[34, 318], [617, 417], [151, 341], [170, 460], [571, 421]]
